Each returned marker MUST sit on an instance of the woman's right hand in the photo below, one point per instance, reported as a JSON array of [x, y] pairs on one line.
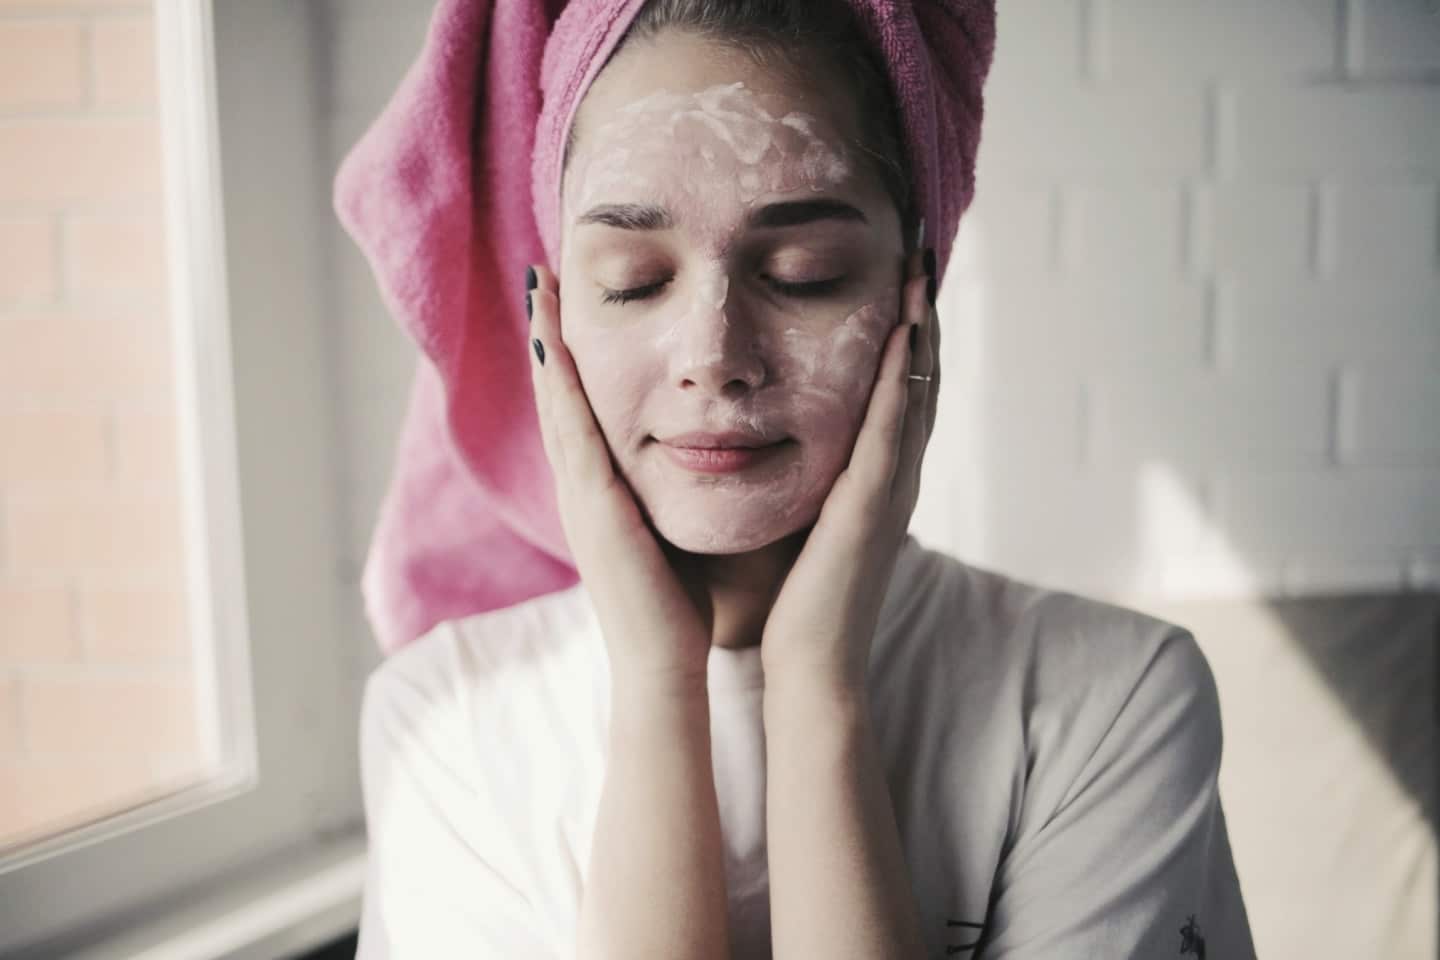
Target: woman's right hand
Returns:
[[653, 630]]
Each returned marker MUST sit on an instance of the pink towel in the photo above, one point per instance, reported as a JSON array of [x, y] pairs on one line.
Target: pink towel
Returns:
[[438, 195]]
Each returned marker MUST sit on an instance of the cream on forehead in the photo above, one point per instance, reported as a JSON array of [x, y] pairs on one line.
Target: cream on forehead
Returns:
[[716, 149], [738, 151]]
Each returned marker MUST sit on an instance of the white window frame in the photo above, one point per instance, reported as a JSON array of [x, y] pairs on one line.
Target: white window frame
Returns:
[[271, 860]]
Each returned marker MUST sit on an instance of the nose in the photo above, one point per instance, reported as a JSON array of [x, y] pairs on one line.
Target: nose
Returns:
[[715, 350]]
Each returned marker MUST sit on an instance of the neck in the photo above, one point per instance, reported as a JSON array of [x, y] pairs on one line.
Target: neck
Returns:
[[734, 591]]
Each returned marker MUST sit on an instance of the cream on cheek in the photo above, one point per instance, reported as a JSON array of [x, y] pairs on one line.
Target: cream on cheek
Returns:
[[817, 388], [828, 367], [820, 383]]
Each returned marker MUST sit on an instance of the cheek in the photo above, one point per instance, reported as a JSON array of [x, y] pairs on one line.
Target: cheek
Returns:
[[616, 379], [829, 373]]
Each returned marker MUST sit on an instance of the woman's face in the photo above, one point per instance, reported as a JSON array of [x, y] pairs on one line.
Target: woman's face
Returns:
[[729, 265]]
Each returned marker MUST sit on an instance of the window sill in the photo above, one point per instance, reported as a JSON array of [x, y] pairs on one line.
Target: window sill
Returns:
[[285, 911]]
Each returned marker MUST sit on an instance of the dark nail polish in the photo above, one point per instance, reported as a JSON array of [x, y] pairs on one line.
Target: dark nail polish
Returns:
[[930, 289], [914, 329], [531, 282], [529, 307], [539, 351], [930, 261]]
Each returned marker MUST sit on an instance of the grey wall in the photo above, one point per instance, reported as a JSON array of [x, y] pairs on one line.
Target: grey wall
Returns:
[[367, 46]]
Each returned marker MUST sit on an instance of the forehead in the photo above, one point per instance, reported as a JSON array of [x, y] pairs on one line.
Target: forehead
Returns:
[[685, 66], [700, 133]]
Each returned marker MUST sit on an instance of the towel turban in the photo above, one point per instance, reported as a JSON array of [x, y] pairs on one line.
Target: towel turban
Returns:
[[453, 191]]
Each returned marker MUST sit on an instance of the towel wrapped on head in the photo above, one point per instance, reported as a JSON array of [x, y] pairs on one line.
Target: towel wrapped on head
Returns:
[[454, 190]]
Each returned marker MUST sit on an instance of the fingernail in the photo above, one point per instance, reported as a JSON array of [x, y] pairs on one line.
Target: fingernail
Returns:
[[529, 307], [930, 289], [539, 351], [930, 261], [530, 280], [914, 329]]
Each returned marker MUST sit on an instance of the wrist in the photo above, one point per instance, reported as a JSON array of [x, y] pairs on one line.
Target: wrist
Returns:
[[661, 688], [794, 696], [817, 676], [646, 716]]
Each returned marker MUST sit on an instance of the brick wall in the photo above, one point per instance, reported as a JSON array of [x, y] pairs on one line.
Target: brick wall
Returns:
[[96, 706], [1196, 306]]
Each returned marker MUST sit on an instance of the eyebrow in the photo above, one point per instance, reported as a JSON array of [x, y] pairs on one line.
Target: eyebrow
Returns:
[[789, 213], [628, 216]]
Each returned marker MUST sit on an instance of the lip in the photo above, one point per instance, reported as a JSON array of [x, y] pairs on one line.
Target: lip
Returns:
[[706, 452], [722, 440]]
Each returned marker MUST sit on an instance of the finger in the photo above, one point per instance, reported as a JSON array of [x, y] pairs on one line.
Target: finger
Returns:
[[541, 329], [915, 431], [575, 431], [931, 336], [879, 439], [872, 462], [933, 325]]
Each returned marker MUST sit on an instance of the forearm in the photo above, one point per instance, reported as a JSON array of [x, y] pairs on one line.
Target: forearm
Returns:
[[839, 886], [655, 885]]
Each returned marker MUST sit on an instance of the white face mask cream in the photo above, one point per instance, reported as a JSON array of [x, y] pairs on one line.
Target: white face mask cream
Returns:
[[699, 319]]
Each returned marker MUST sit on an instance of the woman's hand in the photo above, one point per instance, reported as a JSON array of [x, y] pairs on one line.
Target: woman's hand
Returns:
[[824, 617], [652, 628]]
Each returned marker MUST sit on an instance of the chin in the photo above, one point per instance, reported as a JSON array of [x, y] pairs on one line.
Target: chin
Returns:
[[733, 531], [731, 516]]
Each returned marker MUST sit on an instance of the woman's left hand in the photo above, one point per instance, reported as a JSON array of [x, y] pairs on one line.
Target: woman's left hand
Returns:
[[825, 615]]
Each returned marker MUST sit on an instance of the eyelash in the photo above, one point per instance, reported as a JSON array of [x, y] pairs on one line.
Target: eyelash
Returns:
[[817, 288]]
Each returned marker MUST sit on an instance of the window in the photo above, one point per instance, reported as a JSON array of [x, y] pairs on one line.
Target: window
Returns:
[[177, 700], [108, 704]]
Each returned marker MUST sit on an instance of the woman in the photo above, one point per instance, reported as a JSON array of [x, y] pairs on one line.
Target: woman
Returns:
[[766, 720]]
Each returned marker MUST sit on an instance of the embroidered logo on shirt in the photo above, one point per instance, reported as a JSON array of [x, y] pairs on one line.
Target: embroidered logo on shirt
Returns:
[[1191, 941], [979, 927]]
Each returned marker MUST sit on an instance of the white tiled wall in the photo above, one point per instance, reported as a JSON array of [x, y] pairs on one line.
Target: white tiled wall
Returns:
[[1192, 324], [1201, 281]]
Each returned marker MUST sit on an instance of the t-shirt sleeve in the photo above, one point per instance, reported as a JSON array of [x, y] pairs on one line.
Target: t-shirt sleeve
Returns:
[[432, 886], [1135, 859]]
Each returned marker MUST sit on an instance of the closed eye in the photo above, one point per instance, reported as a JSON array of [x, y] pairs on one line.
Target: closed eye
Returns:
[[814, 288], [634, 293]]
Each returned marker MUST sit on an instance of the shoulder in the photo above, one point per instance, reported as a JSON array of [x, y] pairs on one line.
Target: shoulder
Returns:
[[1086, 654], [1114, 702], [1063, 639], [1071, 670], [460, 663], [1111, 719], [1066, 648]]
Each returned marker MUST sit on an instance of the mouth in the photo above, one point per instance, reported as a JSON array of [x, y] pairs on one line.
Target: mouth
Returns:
[[720, 452]]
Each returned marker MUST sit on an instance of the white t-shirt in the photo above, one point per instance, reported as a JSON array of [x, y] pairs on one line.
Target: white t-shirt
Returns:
[[1052, 761]]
